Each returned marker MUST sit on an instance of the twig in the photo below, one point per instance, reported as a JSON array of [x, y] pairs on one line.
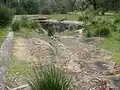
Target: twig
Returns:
[[20, 87]]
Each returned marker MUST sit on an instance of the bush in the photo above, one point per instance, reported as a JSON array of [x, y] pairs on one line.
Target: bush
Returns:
[[15, 26], [49, 79], [6, 16]]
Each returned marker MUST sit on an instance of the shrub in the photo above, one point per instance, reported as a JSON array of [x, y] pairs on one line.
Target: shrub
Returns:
[[6, 16], [49, 79], [15, 26]]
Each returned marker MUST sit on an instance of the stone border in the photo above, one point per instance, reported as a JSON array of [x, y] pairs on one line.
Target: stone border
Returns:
[[5, 50]]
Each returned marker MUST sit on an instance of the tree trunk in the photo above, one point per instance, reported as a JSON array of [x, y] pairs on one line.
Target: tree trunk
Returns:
[[94, 4], [5, 2]]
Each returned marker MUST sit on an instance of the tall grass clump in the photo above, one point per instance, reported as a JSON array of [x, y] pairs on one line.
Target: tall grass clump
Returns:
[[50, 78], [102, 31]]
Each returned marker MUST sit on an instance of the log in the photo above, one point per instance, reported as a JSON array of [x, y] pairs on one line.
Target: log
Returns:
[[4, 56], [61, 22]]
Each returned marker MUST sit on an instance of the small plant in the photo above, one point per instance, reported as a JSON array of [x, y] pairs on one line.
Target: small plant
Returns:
[[49, 79], [6, 16], [16, 26]]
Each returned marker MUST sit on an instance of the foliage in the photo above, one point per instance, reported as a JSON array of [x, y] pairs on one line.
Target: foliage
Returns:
[[102, 31], [83, 17], [24, 21], [88, 33], [34, 24], [20, 11], [97, 27], [16, 26], [49, 78], [6, 16], [46, 10], [51, 32], [30, 6]]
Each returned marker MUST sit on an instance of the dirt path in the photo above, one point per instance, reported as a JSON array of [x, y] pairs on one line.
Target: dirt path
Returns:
[[83, 61]]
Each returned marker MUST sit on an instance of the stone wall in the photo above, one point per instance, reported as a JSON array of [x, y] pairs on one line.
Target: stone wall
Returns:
[[4, 57]]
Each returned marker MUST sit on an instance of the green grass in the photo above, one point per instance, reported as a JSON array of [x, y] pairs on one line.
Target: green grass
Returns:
[[3, 34], [18, 68], [60, 16], [25, 32], [112, 44]]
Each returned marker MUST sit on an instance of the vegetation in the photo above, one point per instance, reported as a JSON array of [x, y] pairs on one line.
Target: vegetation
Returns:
[[6, 16], [16, 26], [101, 19], [18, 68], [49, 78], [24, 21], [3, 34]]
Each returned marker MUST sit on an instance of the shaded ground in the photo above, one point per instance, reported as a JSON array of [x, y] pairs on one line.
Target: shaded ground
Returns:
[[83, 61]]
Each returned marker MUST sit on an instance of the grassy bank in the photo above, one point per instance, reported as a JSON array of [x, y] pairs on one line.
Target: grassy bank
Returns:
[[112, 44]]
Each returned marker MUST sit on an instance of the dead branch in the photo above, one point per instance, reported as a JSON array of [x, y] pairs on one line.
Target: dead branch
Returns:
[[20, 87]]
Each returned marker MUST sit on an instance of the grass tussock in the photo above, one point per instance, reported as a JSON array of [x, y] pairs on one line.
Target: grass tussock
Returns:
[[50, 78]]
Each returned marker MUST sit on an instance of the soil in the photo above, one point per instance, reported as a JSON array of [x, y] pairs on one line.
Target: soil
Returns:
[[83, 61]]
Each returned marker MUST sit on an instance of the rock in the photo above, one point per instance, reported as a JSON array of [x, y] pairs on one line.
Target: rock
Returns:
[[80, 31]]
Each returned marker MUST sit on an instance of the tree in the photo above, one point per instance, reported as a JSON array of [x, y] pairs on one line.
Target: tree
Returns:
[[94, 3], [72, 4], [30, 6]]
